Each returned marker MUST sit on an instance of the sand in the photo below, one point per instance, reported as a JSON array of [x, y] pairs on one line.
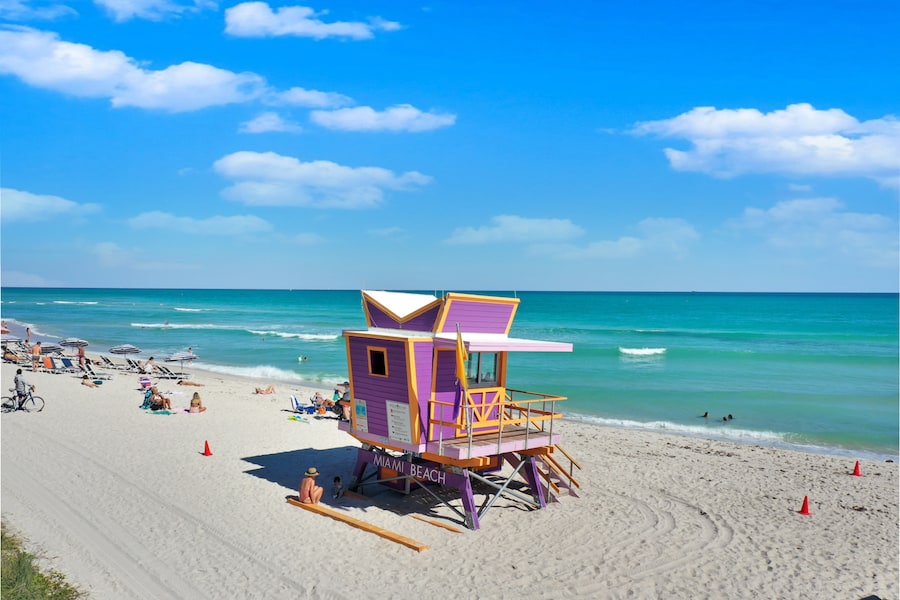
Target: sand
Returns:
[[127, 506]]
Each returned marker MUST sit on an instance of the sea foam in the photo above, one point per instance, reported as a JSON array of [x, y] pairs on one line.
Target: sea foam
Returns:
[[642, 351]]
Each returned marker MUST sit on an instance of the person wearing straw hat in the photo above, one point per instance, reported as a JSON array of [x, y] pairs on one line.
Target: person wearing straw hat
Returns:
[[310, 493]]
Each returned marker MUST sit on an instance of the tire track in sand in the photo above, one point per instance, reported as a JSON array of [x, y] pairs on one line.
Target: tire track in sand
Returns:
[[144, 575]]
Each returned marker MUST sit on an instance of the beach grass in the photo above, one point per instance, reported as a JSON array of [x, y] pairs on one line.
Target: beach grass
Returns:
[[21, 579]]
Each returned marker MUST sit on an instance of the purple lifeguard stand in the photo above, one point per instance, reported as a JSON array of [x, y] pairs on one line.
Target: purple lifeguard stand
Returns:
[[431, 404]]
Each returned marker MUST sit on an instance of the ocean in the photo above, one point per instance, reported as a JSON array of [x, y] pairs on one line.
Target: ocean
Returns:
[[815, 372]]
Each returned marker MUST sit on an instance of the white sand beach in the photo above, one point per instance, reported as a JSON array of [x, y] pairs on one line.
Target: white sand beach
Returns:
[[127, 506]]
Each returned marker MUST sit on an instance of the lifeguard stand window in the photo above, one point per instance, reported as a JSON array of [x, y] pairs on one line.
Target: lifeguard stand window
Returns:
[[378, 362], [481, 370]]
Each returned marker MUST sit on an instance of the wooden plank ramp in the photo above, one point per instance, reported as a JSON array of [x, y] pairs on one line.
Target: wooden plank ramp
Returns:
[[321, 509], [437, 523]]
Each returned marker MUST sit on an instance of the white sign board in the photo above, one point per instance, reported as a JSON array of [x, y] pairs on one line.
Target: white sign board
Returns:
[[399, 427]]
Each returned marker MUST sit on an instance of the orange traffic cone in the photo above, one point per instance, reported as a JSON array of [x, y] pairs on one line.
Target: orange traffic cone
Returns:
[[206, 451], [804, 510], [856, 471]]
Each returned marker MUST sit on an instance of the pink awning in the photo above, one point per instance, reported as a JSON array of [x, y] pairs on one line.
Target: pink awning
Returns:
[[495, 342]]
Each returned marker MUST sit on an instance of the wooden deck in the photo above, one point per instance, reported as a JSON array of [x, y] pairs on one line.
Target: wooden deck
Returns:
[[514, 439]]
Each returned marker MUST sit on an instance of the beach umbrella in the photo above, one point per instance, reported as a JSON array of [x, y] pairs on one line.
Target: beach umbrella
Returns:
[[73, 342], [181, 357], [125, 349], [4, 329], [50, 347]]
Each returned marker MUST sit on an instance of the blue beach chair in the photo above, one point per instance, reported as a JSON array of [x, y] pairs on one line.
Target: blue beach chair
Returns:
[[300, 408]]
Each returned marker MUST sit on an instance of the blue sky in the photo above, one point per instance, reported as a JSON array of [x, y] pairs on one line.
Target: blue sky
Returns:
[[659, 146]]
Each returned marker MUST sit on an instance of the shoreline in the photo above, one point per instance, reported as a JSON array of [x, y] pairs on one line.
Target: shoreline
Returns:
[[125, 504], [747, 437]]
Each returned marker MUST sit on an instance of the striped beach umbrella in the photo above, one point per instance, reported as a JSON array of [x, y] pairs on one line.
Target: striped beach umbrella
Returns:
[[73, 342], [181, 357], [125, 349]]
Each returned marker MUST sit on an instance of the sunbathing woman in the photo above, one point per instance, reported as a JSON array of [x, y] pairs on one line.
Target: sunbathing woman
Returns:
[[159, 401], [197, 404], [193, 383], [266, 390]]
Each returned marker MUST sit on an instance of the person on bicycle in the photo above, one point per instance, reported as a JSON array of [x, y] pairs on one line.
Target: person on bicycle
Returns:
[[22, 388]]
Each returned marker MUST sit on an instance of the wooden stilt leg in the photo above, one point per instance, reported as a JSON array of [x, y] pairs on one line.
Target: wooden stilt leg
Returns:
[[468, 502], [534, 482]]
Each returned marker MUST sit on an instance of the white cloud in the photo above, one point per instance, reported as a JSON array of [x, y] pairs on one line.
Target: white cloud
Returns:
[[153, 10], [270, 179], [298, 96], [386, 231], [40, 59], [256, 19], [110, 254], [227, 226], [20, 279], [660, 236], [512, 228], [17, 206], [401, 117], [799, 140], [267, 122], [31, 10], [822, 225], [307, 239]]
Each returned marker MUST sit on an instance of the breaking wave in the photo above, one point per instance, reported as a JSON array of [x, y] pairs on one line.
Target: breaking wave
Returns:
[[642, 351]]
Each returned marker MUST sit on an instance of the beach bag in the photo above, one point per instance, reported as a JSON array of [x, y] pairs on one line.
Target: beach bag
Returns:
[[145, 382]]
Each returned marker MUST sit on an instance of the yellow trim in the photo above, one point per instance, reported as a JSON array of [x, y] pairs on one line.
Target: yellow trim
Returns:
[[369, 299], [384, 352], [413, 392], [451, 296]]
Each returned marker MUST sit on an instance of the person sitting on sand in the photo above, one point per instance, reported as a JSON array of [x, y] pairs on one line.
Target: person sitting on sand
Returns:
[[193, 383], [85, 380], [321, 401], [197, 404], [159, 401], [310, 493], [266, 390]]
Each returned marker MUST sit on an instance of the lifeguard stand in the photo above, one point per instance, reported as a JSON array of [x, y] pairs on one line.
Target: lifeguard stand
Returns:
[[431, 404]]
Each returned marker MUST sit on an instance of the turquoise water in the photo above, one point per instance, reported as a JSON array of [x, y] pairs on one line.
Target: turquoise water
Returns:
[[811, 371]]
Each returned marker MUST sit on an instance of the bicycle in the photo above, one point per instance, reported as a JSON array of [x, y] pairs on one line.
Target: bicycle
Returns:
[[30, 403]]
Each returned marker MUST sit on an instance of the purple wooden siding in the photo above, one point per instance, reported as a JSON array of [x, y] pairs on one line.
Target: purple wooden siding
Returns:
[[478, 317], [423, 322], [380, 318], [375, 390], [423, 355], [445, 390]]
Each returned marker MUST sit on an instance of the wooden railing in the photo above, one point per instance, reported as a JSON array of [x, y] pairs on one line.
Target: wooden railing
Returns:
[[491, 410]]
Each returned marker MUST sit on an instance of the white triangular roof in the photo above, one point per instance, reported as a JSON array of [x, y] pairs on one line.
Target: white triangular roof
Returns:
[[400, 303]]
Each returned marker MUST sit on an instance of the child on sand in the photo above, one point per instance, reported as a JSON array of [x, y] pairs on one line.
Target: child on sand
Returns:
[[337, 490]]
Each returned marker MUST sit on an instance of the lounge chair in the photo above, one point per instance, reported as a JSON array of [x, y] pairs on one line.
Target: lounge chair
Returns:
[[299, 407], [134, 365], [112, 365], [166, 373], [68, 366], [48, 365], [94, 374]]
